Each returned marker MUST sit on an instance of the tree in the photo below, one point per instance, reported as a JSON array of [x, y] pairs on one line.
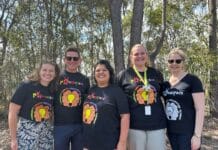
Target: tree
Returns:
[[136, 23], [9, 16], [214, 52], [161, 40], [115, 12]]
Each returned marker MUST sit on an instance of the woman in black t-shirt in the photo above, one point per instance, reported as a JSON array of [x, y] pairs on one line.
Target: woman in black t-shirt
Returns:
[[105, 112], [141, 84], [31, 105], [184, 98]]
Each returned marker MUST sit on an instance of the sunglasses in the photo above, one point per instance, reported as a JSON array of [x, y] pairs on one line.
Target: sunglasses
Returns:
[[177, 61], [69, 58]]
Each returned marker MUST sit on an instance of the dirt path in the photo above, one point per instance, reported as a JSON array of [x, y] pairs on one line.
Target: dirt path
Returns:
[[209, 141], [210, 134]]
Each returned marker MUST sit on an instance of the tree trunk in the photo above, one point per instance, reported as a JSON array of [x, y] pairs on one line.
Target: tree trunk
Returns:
[[160, 42], [213, 50], [115, 12], [49, 28], [136, 24]]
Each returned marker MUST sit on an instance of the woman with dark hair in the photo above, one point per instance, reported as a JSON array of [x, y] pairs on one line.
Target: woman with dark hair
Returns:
[[105, 112], [31, 105]]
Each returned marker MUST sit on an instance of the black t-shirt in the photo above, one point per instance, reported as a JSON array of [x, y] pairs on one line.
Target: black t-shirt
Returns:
[[179, 102], [72, 88], [146, 107], [101, 117], [35, 101]]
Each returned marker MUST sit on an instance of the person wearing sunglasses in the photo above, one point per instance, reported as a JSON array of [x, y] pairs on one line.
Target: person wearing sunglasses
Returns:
[[72, 88], [142, 85], [184, 99]]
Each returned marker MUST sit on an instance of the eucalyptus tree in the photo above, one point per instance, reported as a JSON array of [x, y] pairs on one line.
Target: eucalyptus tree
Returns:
[[115, 11], [136, 23], [9, 17], [214, 51]]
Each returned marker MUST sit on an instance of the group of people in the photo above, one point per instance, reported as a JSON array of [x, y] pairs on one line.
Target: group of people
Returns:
[[53, 110]]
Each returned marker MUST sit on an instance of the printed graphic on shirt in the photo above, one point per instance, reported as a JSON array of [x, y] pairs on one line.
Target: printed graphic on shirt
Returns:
[[145, 94], [93, 96], [38, 95], [173, 110], [41, 111], [89, 113], [66, 81], [70, 97]]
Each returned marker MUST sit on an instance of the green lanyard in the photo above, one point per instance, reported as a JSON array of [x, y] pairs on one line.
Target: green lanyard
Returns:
[[145, 80]]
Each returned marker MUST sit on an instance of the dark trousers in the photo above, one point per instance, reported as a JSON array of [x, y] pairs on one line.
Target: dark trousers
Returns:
[[180, 141], [68, 136]]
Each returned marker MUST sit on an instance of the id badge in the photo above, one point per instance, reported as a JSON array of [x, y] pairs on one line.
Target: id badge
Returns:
[[147, 110]]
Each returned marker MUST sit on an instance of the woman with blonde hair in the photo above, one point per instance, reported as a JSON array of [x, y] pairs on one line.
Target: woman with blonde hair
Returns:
[[184, 99], [142, 85], [30, 110]]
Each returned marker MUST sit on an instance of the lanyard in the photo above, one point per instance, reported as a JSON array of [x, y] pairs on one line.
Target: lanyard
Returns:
[[145, 80]]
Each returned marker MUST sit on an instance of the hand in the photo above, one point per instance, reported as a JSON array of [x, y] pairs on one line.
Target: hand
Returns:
[[14, 145], [121, 146], [195, 142]]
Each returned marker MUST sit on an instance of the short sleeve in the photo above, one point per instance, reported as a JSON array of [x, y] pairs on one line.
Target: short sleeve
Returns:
[[122, 102], [160, 77], [196, 85], [118, 78], [88, 85], [20, 93]]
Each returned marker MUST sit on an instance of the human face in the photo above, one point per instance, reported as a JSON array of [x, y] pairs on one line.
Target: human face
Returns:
[[46, 74], [138, 56], [102, 75], [72, 61], [175, 63]]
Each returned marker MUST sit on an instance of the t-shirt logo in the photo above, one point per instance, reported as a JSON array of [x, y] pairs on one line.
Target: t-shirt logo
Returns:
[[173, 110], [89, 113], [38, 95], [145, 94], [66, 81], [70, 97], [41, 112]]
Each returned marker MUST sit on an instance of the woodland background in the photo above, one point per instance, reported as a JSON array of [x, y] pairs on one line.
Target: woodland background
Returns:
[[34, 30]]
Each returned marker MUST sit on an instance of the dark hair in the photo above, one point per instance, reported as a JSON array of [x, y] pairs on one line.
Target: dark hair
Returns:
[[109, 68], [72, 49], [34, 76]]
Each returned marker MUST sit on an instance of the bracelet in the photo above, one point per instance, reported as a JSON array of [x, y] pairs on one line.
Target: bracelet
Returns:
[[197, 136]]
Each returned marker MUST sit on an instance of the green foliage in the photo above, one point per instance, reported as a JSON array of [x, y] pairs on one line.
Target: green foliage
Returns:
[[155, 16], [39, 31]]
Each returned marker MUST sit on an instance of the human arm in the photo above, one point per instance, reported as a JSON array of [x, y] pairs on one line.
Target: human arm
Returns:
[[124, 128], [14, 109], [199, 104]]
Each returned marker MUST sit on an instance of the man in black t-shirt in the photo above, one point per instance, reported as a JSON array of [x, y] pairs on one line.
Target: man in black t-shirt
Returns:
[[72, 87]]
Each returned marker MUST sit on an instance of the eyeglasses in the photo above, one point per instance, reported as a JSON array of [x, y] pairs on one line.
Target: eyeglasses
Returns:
[[177, 61], [69, 58]]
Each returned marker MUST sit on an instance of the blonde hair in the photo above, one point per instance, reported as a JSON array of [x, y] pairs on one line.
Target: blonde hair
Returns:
[[138, 46], [179, 52], [35, 77]]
